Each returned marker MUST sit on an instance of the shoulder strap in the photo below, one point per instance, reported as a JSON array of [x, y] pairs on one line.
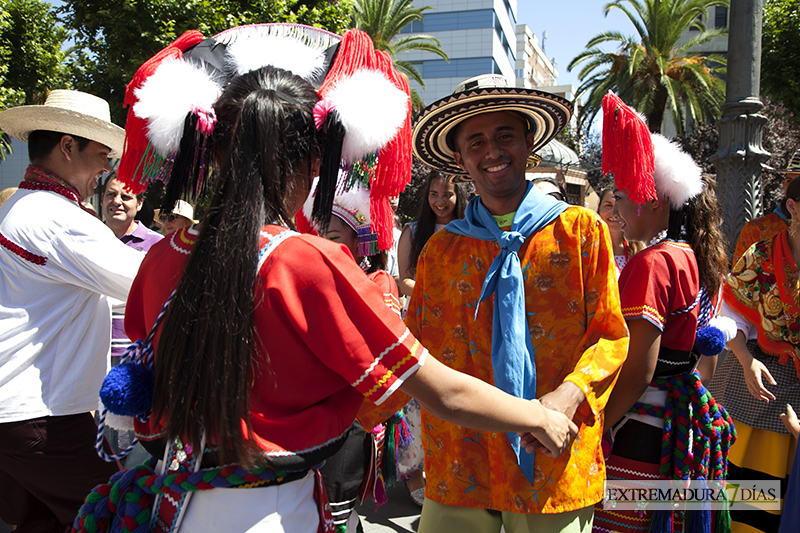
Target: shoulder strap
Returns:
[[272, 242]]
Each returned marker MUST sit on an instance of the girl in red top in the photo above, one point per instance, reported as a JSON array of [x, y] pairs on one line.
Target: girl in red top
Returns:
[[273, 340], [665, 292]]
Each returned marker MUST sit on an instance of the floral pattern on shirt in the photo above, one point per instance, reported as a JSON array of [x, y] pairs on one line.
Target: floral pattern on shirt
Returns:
[[578, 334]]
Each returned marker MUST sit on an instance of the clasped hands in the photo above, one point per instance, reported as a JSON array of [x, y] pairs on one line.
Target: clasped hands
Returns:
[[565, 400]]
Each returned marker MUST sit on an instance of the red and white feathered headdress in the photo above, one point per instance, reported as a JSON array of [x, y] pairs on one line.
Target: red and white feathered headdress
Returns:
[[645, 165], [364, 109]]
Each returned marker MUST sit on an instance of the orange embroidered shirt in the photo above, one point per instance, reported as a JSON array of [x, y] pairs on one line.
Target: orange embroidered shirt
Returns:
[[578, 334], [759, 229]]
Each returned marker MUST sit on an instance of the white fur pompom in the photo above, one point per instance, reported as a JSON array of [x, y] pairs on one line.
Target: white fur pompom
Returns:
[[118, 422], [371, 108], [726, 325], [355, 200], [676, 175], [168, 96], [308, 205], [280, 52]]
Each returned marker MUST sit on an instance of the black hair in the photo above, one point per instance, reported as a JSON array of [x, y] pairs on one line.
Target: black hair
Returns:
[[793, 192], [113, 176], [376, 261], [553, 181], [264, 145], [42, 142], [699, 218], [607, 190], [426, 221], [146, 214]]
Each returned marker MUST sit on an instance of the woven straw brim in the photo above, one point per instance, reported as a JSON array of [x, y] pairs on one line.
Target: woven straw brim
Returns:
[[793, 167], [546, 113], [20, 121]]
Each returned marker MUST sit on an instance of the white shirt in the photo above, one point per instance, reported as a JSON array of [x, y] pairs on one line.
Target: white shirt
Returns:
[[55, 319]]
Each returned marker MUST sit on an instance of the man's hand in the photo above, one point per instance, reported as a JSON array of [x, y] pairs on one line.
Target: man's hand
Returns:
[[565, 399]]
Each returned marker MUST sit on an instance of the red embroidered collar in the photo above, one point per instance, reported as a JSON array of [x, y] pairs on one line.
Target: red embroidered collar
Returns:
[[38, 179]]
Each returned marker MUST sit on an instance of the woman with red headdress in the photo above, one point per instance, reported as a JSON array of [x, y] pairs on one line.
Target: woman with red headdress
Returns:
[[667, 292], [263, 343]]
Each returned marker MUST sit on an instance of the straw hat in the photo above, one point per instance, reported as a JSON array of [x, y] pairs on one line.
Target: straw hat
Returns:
[[433, 143], [66, 111], [792, 169], [181, 209]]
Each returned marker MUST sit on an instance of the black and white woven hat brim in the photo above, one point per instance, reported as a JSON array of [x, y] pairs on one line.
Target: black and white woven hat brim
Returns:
[[547, 114], [793, 167]]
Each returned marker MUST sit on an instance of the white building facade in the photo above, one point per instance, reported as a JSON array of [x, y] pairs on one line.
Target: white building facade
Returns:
[[479, 37]]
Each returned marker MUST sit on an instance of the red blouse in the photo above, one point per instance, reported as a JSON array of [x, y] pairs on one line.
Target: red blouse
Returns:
[[657, 284], [326, 337]]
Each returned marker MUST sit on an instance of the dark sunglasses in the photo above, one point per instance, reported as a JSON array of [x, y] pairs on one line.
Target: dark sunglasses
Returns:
[[168, 218]]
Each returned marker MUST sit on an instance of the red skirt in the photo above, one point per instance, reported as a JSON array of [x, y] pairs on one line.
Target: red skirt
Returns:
[[628, 520]]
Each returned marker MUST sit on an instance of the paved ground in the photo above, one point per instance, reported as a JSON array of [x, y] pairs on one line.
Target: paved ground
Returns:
[[399, 514]]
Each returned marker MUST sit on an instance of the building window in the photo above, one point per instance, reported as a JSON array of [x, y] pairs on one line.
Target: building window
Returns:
[[458, 68], [511, 16], [696, 27], [452, 20], [414, 27], [501, 35], [574, 193], [720, 17]]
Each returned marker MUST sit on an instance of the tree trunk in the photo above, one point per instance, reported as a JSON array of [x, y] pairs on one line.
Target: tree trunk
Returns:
[[656, 116]]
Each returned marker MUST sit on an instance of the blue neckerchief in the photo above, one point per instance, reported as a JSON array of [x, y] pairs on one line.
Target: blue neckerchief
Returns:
[[512, 351], [778, 211]]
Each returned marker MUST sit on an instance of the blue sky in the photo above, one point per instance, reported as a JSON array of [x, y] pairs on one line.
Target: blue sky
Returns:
[[569, 24]]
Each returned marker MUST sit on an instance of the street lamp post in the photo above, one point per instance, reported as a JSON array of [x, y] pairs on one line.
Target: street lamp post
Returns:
[[740, 155]]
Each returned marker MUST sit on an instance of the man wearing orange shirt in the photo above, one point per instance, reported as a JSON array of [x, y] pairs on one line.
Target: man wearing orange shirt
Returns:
[[521, 293]]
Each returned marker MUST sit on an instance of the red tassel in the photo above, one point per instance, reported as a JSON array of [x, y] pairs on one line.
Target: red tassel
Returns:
[[628, 150], [136, 128], [356, 52], [302, 224], [393, 172]]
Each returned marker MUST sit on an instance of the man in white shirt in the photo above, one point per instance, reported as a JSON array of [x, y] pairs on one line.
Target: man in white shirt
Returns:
[[59, 264]]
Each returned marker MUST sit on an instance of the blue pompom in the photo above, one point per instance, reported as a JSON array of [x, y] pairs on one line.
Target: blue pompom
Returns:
[[127, 390], [709, 341]]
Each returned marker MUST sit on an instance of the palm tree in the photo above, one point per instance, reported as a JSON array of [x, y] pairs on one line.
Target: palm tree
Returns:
[[657, 71], [382, 20]]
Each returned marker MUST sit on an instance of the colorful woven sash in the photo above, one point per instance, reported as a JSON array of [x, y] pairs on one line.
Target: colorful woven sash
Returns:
[[689, 406], [124, 504], [690, 412]]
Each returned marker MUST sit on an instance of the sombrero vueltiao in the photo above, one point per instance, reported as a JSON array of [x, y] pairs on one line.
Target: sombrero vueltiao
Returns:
[[546, 113], [70, 112], [792, 169]]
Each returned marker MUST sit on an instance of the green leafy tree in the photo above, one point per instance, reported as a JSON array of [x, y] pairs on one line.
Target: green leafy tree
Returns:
[[781, 137], [31, 56], [114, 38], [656, 70], [8, 97], [36, 62], [382, 20], [780, 54]]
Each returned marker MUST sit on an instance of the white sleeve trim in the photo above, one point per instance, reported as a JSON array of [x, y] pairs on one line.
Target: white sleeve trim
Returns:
[[401, 379]]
